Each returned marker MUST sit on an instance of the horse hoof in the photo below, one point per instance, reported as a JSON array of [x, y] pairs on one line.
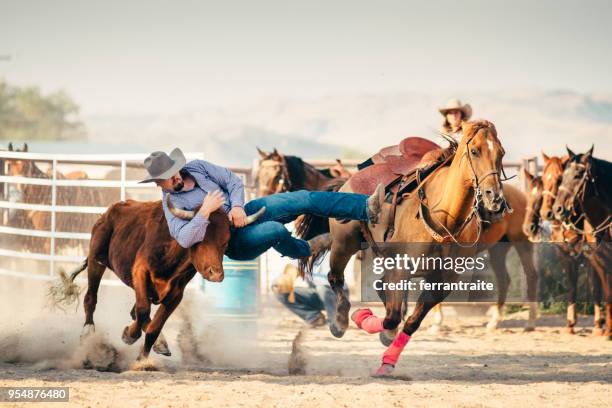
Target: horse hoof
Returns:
[[384, 370], [528, 329], [384, 339], [597, 331], [161, 347], [492, 325], [127, 339], [570, 330], [335, 330], [87, 331]]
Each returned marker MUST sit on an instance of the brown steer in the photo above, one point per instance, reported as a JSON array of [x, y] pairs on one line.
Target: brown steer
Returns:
[[132, 239]]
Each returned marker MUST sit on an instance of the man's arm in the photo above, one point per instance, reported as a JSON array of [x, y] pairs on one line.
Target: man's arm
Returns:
[[226, 179], [186, 233]]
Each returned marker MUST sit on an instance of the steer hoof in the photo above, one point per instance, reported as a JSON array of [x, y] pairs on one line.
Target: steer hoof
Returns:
[[127, 339], [161, 347], [87, 331], [384, 370]]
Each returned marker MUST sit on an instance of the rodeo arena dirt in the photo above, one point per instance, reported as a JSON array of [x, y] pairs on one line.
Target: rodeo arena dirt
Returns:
[[232, 343]]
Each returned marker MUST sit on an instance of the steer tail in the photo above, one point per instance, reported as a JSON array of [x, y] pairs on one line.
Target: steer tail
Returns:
[[309, 226], [64, 292]]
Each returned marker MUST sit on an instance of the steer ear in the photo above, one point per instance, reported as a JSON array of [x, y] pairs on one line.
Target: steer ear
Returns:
[[529, 176]]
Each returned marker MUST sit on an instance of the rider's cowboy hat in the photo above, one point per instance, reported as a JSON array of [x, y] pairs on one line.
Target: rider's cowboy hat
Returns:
[[455, 104], [161, 166]]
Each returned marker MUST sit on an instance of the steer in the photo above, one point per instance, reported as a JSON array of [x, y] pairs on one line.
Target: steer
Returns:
[[132, 239]]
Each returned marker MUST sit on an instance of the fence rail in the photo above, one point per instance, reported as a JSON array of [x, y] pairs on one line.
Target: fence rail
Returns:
[[122, 184]]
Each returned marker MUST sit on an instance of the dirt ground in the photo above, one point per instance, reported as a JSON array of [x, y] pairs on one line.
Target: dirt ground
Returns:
[[462, 366]]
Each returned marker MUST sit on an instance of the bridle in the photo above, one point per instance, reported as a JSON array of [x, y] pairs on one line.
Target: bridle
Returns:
[[578, 196], [424, 210], [281, 180]]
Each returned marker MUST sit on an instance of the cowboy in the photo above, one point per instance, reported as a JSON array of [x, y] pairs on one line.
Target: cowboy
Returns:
[[455, 113], [202, 184]]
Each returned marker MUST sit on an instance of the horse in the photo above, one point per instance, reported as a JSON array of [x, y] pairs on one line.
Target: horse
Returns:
[[586, 192], [41, 194], [447, 206], [570, 246], [277, 173]]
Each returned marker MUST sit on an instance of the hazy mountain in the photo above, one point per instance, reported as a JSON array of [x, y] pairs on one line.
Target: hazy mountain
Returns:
[[527, 122]]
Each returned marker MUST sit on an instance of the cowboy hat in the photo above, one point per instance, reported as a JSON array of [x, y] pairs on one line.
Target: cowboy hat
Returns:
[[455, 104], [162, 166]]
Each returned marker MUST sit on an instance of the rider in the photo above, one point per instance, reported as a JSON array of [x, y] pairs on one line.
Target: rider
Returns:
[[455, 113], [212, 187]]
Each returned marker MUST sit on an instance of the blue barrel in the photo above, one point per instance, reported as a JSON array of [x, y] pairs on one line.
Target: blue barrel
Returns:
[[237, 295]]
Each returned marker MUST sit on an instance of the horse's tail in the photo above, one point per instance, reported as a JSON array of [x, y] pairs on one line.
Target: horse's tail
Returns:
[[64, 292], [309, 226]]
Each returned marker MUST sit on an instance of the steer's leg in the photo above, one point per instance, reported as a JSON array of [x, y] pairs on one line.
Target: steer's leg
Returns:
[[142, 308], [161, 345], [95, 271], [164, 311]]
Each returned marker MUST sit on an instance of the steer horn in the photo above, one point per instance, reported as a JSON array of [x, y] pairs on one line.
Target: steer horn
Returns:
[[188, 215]]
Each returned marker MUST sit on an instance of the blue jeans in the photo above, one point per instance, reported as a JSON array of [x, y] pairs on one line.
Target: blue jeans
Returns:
[[310, 301], [269, 231]]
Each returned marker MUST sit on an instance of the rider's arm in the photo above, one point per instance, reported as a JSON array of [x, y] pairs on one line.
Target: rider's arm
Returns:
[[227, 180], [186, 232]]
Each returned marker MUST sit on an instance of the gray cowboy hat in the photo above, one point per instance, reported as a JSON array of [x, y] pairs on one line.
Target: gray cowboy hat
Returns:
[[455, 104], [161, 166]]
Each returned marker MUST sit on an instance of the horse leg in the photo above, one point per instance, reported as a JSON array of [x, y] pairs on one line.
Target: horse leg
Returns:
[[571, 270], [95, 271], [162, 314], [345, 243], [497, 255], [525, 253], [596, 291], [599, 260], [438, 319], [427, 300]]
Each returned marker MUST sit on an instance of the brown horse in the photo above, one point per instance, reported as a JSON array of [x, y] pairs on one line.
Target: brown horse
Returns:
[[277, 173], [586, 192], [41, 194], [453, 195], [570, 243]]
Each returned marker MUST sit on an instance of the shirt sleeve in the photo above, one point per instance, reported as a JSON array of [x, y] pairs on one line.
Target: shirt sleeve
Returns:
[[227, 179], [185, 232]]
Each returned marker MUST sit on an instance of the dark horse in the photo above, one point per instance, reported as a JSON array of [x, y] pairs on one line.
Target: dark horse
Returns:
[[277, 173], [586, 191]]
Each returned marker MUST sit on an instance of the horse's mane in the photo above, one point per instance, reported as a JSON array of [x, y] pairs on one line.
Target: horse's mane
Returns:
[[297, 174], [603, 171]]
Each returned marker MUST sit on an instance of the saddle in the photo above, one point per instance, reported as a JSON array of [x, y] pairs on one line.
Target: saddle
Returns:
[[400, 168], [390, 164]]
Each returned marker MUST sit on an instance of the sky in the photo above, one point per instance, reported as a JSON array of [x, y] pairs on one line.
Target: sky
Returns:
[[118, 57]]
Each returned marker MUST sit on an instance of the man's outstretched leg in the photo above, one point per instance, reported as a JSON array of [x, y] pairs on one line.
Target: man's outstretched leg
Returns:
[[286, 207]]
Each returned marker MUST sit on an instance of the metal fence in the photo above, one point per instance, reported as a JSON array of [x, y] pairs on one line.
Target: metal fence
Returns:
[[117, 173]]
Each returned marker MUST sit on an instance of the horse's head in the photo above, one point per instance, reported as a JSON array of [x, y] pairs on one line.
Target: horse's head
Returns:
[[271, 176], [18, 167], [551, 178], [531, 223], [338, 170], [573, 183], [482, 153]]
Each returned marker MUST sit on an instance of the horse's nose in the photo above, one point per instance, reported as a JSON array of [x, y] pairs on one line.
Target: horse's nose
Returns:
[[549, 215], [532, 228], [558, 210]]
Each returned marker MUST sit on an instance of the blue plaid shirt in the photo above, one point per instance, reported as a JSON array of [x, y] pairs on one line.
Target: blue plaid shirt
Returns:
[[208, 177]]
